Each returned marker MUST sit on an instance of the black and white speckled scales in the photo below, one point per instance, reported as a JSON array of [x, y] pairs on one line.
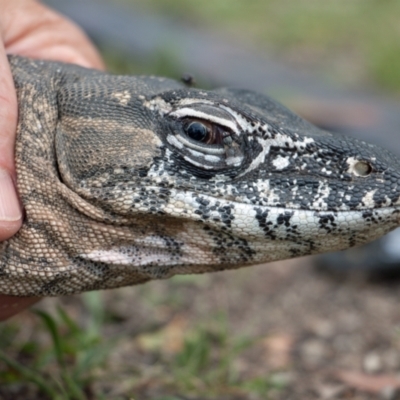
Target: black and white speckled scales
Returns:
[[126, 179]]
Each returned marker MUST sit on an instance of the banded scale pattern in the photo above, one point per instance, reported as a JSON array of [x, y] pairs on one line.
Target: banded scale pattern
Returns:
[[126, 179]]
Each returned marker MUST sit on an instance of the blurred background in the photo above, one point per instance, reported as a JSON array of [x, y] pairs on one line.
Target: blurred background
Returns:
[[311, 328]]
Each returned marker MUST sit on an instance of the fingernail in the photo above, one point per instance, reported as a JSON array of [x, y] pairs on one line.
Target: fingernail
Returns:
[[10, 209]]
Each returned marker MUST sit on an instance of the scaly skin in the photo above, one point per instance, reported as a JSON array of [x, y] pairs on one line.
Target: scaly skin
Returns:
[[127, 179]]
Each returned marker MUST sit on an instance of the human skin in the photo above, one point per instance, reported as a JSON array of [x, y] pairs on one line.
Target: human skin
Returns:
[[30, 29]]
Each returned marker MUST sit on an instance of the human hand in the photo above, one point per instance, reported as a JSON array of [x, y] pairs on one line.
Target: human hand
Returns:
[[29, 29]]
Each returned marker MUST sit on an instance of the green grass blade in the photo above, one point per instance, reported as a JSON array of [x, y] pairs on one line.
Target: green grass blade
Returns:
[[72, 387], [30, 376], [52, 328]]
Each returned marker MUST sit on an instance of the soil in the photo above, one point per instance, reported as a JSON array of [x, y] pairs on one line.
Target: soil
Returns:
[[321, 337], [316, 336]]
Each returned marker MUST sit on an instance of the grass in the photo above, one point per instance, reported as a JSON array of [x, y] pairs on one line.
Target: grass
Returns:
[[64, 366], [163, 62], [85, 351], [354, 41]]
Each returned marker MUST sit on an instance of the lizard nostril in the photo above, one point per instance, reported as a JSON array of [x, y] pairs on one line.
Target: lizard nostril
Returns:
[[362, 168]]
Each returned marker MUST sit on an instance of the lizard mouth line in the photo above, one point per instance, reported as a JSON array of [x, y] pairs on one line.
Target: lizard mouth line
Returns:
[[185, 195]]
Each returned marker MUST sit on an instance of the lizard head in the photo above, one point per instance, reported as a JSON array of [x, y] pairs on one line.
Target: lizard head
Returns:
[[229, 176], [127, 179]]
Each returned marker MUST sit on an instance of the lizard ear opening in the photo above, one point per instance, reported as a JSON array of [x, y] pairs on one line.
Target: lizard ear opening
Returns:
[[95, 153]]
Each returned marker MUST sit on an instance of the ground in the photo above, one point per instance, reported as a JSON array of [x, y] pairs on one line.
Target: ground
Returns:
[[277, 331]]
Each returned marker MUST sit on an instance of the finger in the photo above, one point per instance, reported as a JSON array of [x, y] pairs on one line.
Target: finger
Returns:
[[10, 209], [67, 42], [11, 305]]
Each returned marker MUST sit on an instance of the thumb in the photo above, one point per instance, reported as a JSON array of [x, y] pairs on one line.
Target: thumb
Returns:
[[10, 209]]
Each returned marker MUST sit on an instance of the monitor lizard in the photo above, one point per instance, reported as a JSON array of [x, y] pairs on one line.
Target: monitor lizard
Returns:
[[126, 179]]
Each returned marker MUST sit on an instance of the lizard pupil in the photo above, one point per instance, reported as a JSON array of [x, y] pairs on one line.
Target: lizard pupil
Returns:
[[197, 131]]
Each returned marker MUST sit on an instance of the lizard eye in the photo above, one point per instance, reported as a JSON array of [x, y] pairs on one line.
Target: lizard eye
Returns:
[[198, 131], [204, 132]]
